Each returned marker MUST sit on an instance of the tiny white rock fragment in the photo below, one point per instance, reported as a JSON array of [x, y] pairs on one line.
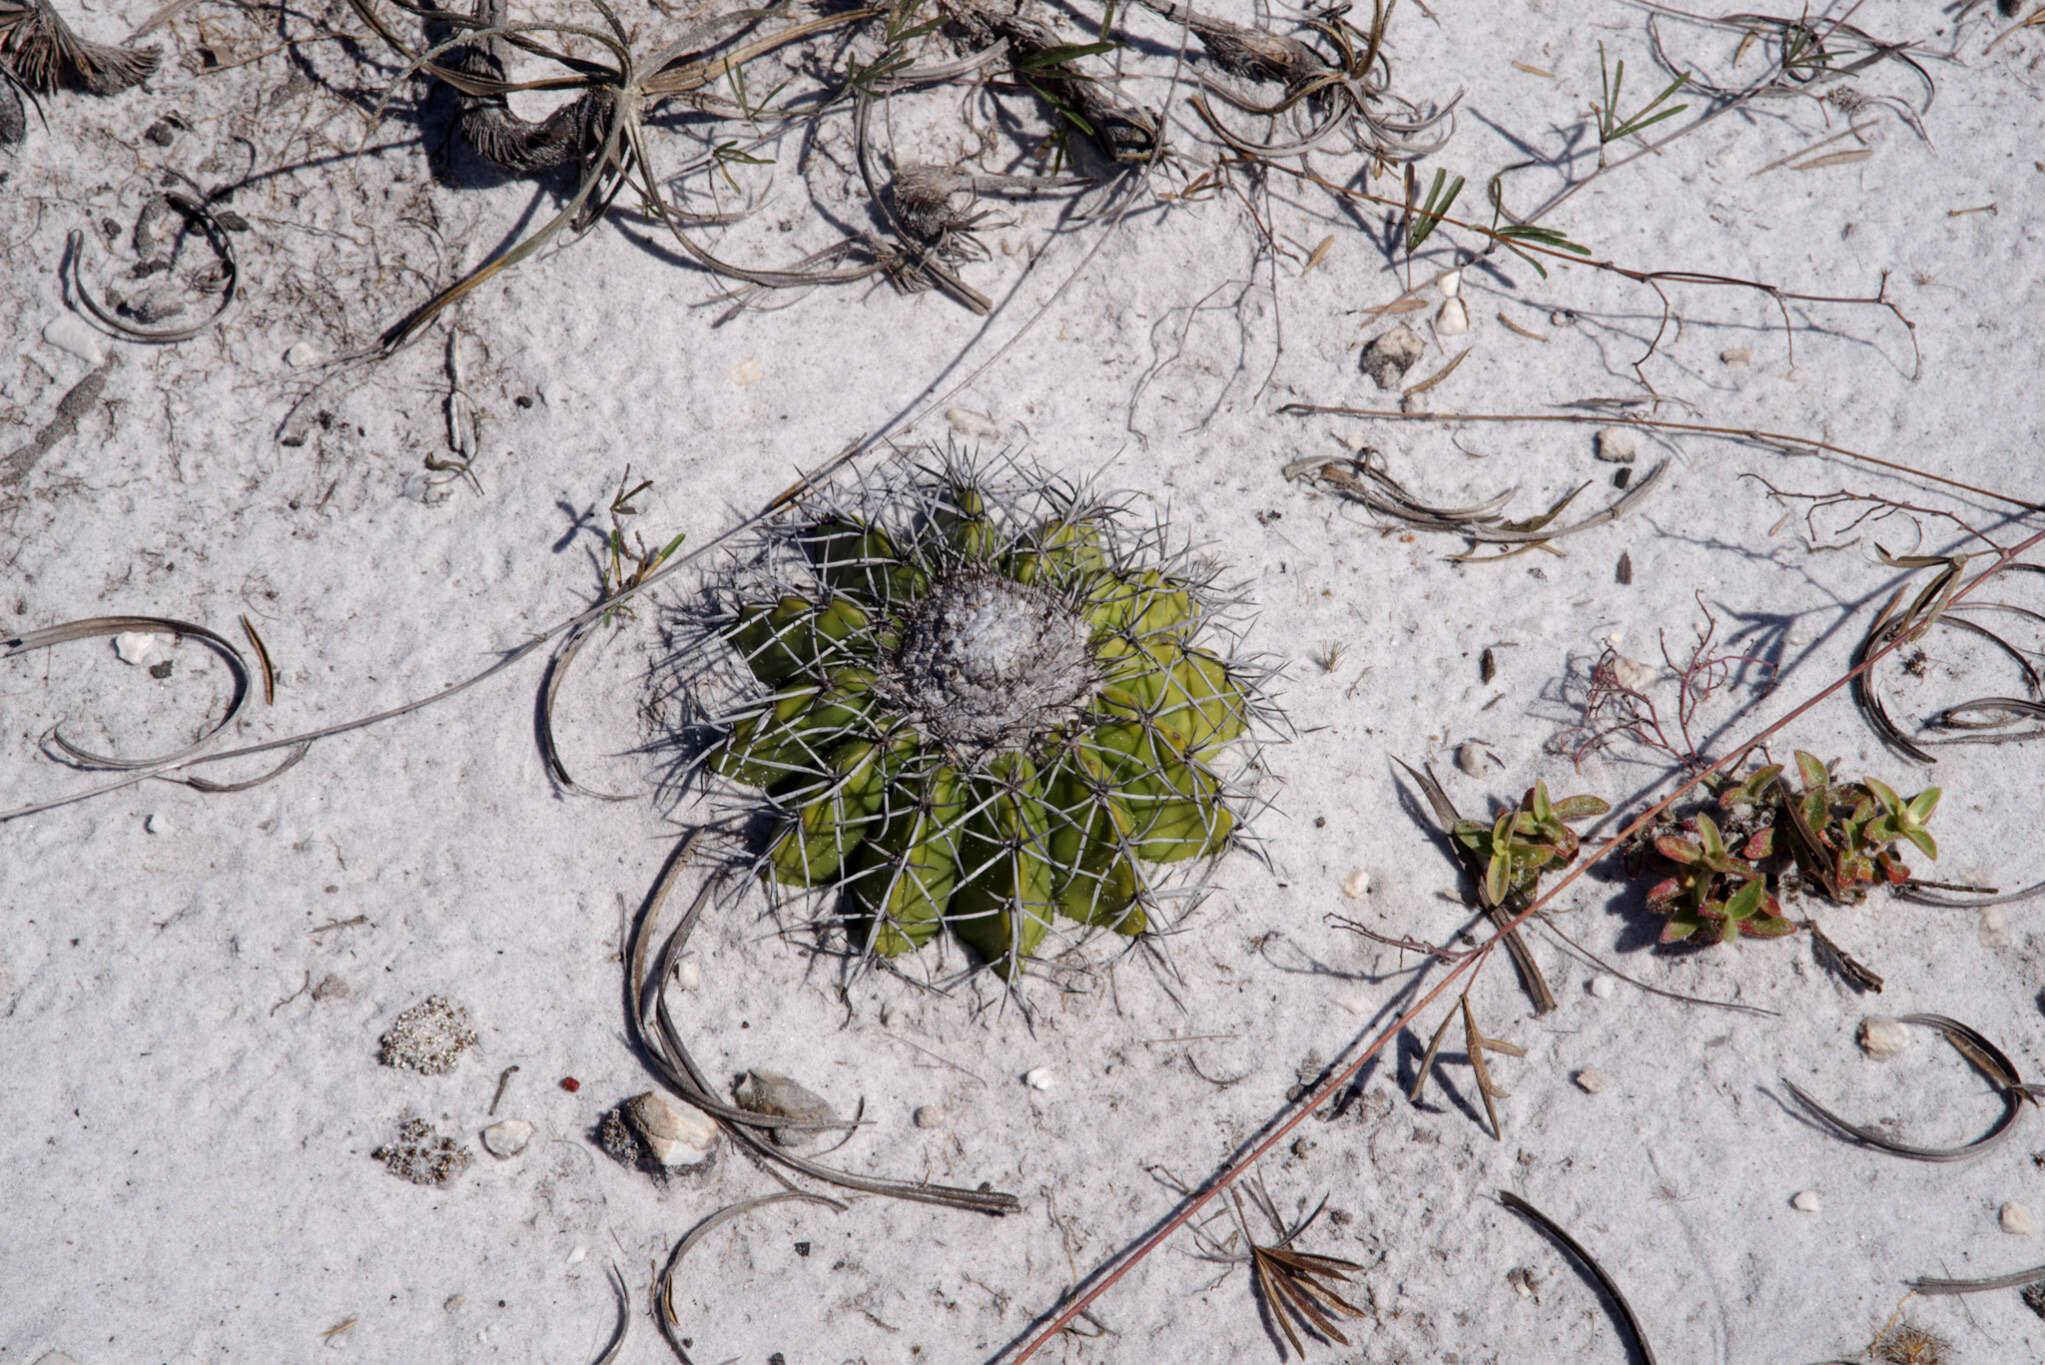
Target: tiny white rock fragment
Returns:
[[1993, 931], [507, 1137], [70, 334], [1453, 320], [967, 422], [747, 372], [1451, 284], [688, 975], [932, 1116], [153, 823], [677, 1134], [1389, 356], [2017, 1220], [1604, 987], [332, 987], [134, 646], [578, 1256], [1882, 1037], [1806, 1201], [1592, 1081], [455, 1301], [1470, 758], [1617, 445], [1632, 674], [1041, 1078], [302, 355], [1561, 317], [1737, 355], [1357, 884]]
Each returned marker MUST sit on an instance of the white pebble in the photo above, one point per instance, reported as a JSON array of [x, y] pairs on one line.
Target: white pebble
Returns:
[[677, 1134], [578, 1256], [1470, 758], [302, 355], [1451, 284], [747, 372], [1453, 319], [155, 824], [1592, 1081], [688, 975], [1632, 674], [1357, 884], [70, 334], [1882, 1037], [1738, 355], [134, 646], [1806, 1201], [2017, 1220], [507, 1137], [932, 1116], [455, 1301], [1604, 987], [966, 422], [1617, 445], [1389, 356], [1041, 1078], [1993, 931], [1561, 318]]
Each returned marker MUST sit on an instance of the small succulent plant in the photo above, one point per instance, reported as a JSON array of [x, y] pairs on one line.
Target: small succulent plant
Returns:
[[1525, 841], [1836, 839], [982, 704]]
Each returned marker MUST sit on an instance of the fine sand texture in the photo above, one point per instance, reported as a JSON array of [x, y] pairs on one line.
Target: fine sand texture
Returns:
[[330, 1061]]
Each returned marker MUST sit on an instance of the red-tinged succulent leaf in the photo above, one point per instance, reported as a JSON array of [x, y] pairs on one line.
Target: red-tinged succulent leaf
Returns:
[[1712, 842], [1883, 793], [1762, 845], [1923, 840], [1892, 869], [1812, 771], [1574, 808], [1662, 893], [1745, 903], [1537, 804], [1677, 849], [1766, 926], [1679, 928]]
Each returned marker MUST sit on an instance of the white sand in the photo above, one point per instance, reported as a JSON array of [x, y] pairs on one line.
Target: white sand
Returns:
[[186, 1154]]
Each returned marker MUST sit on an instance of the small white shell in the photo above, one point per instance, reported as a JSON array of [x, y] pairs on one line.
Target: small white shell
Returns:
[[1041, 1078], [507, 1137], [1451, 284], [1470, 758], [677, 1134], [70, 333], [1806, 1201], [1356, 885], [1882, 1037], [133, 646], [688, 975], [1617, 445], [1453, 319], [1604, 987], [2017, 1220], [932, 1116], [302, 355], [1592, 1081]]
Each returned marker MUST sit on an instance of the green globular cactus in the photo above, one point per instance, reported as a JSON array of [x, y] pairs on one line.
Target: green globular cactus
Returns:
[[984, 704]]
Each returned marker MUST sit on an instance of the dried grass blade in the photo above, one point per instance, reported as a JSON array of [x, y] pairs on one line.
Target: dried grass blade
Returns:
[[1589, 1263], [96, 627], [664, 1291], [624, 1327], [248, 628], [2016, 1279], [1427, 1061], [1443, 373], [543, 715], [216, 237], [1985, 1056], [1267, 1283], [1283, 1292]]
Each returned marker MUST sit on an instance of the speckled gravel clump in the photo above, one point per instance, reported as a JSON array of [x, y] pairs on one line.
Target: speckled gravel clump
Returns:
[[429, 1038]]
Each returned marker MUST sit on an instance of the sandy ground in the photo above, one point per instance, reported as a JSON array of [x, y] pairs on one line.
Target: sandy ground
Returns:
[[187, 1158]]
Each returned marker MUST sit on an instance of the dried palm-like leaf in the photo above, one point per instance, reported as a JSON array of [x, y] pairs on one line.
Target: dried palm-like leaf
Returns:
[[43, 53], [1597, 1272]]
